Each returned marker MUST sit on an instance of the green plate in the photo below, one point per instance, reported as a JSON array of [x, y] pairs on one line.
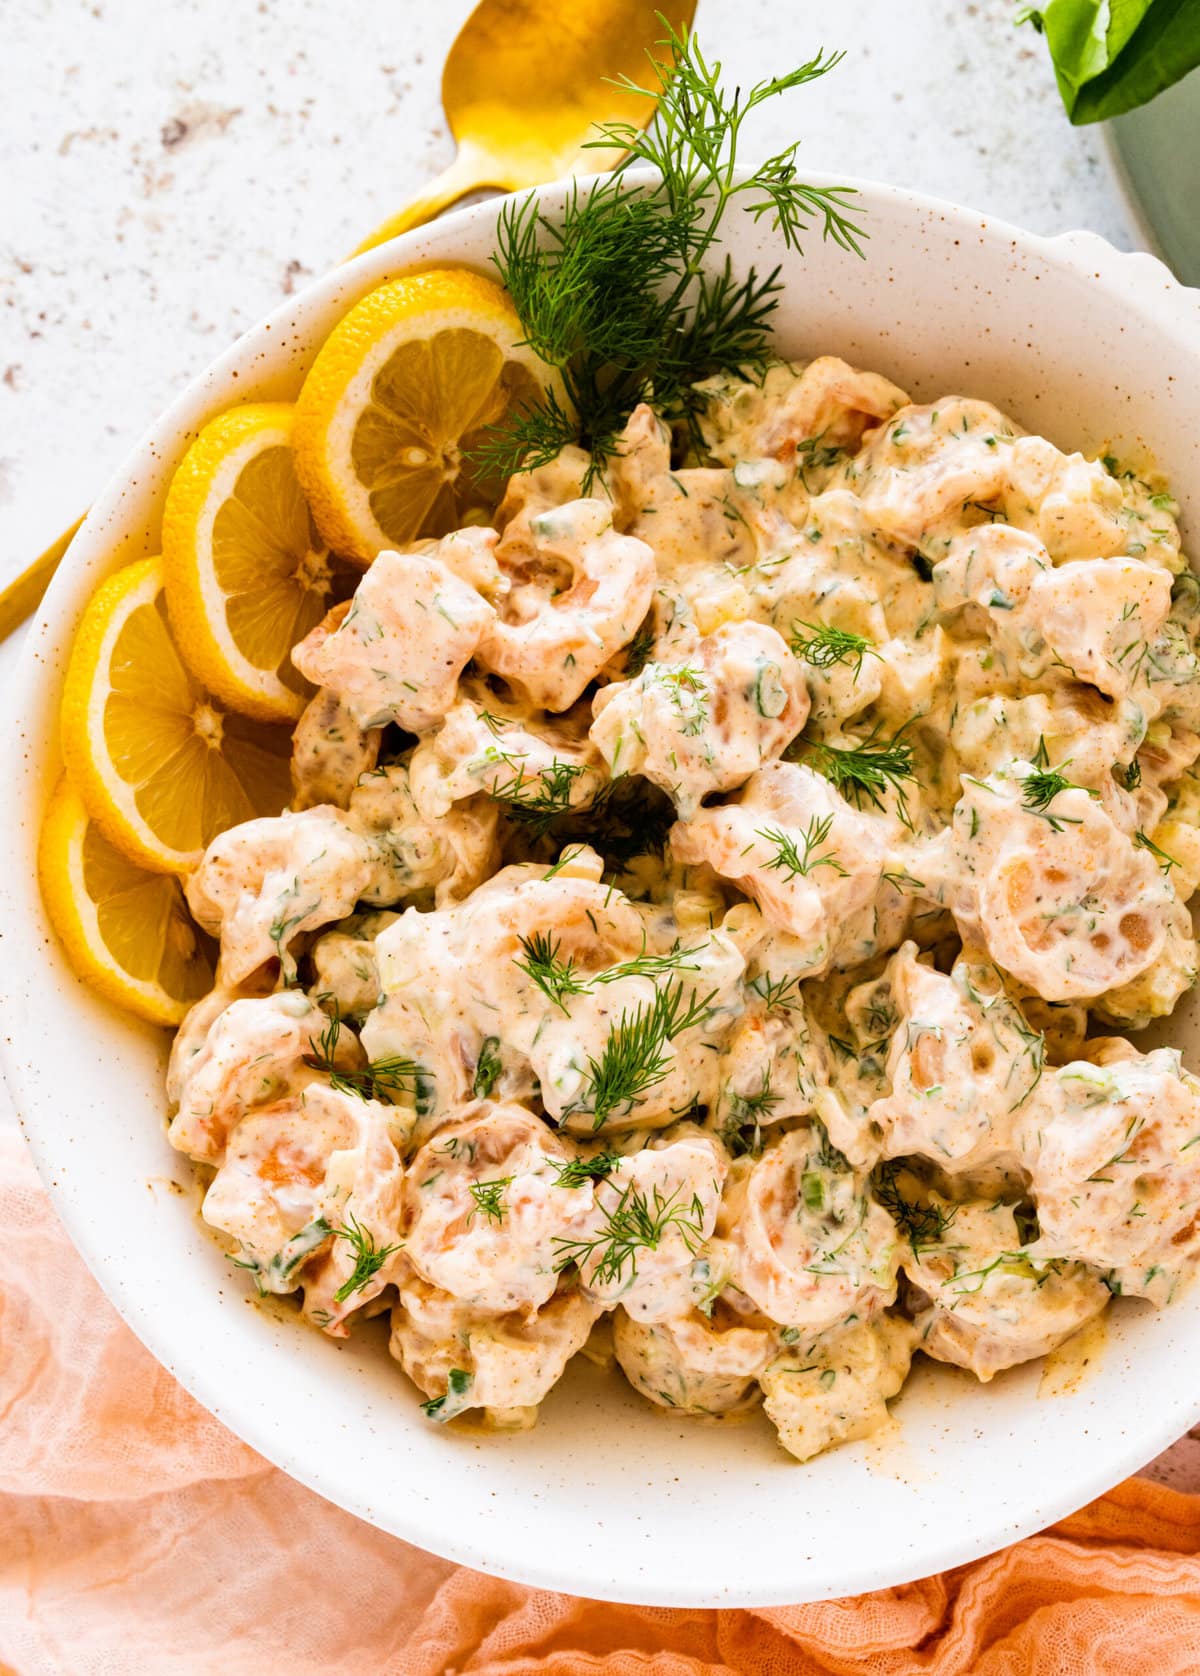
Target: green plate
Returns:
[[1157, 149]]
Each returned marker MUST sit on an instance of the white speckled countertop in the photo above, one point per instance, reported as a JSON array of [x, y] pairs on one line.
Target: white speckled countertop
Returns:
[[171, 170]]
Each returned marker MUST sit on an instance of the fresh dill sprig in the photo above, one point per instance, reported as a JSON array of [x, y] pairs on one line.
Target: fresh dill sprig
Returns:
[[634, 1058], [369, 1258], [1145, 842], [573, 1172], [557, 979], [635, 1223], [487, 1068], [921, 1224], [788, 859], [823, 646], [631, 819], [1043, 786], [775, 992], [489, 1197], [651, 965], [868, 769], [619, 291], [534, 800], [376, 1080]]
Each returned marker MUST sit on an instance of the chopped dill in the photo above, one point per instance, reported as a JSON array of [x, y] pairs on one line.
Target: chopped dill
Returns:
[[378, 1079], [1145, 842], [1043, 786], [775, 992], [688, 691], [535, 800]]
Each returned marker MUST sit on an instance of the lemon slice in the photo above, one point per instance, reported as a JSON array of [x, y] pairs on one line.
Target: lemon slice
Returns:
[[247, 573], [126, 931], [402, 391], [162, 767]]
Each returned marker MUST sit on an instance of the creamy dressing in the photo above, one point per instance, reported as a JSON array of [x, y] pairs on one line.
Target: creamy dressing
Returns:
[[694, 901]]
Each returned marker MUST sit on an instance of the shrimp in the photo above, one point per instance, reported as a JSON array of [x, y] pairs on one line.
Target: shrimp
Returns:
[[808, 1245], [264, 883], [811, 862], [253, 1052], [502, 1364], [1043, 877], [705, 724], [1113, 1151], [396, 652], [413, 852], [693, 1364], [962, 1062], [539, 761], [836, 1388], [330, 752], [485, 1214], [651, 1219], [309, 1187], [550, 641], [987, 1301]]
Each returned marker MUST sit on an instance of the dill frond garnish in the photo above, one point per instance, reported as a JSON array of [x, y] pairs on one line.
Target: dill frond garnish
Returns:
[[635, 1223], [615, 292], [376, 1080], [1043, 786], [788, 858], [775, 992], [921, 1224], [573, 1172], [557, 979], [651, 965], [534, 800], [1145, 842], [369, 1258], [823, 646], [868, 769], [634, 1057], [489, 1197]]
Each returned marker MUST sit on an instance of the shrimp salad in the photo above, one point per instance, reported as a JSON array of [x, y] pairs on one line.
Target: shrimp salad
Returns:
[[706, 918]]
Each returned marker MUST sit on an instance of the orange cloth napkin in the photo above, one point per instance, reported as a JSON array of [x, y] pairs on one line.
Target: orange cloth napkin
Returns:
[[139, 1538]]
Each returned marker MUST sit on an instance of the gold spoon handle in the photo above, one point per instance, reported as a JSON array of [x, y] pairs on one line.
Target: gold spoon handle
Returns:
[[470, 170]]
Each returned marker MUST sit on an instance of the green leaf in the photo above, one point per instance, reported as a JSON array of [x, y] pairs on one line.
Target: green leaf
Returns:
[[1113, 55]]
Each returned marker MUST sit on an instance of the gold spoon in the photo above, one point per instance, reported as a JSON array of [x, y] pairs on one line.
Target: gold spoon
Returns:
[[523, 86]]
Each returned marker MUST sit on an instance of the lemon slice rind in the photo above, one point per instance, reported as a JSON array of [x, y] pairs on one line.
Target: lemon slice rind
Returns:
[[76, 915]]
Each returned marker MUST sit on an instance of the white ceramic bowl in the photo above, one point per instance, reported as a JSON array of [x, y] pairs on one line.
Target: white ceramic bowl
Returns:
[[607, 1496]]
